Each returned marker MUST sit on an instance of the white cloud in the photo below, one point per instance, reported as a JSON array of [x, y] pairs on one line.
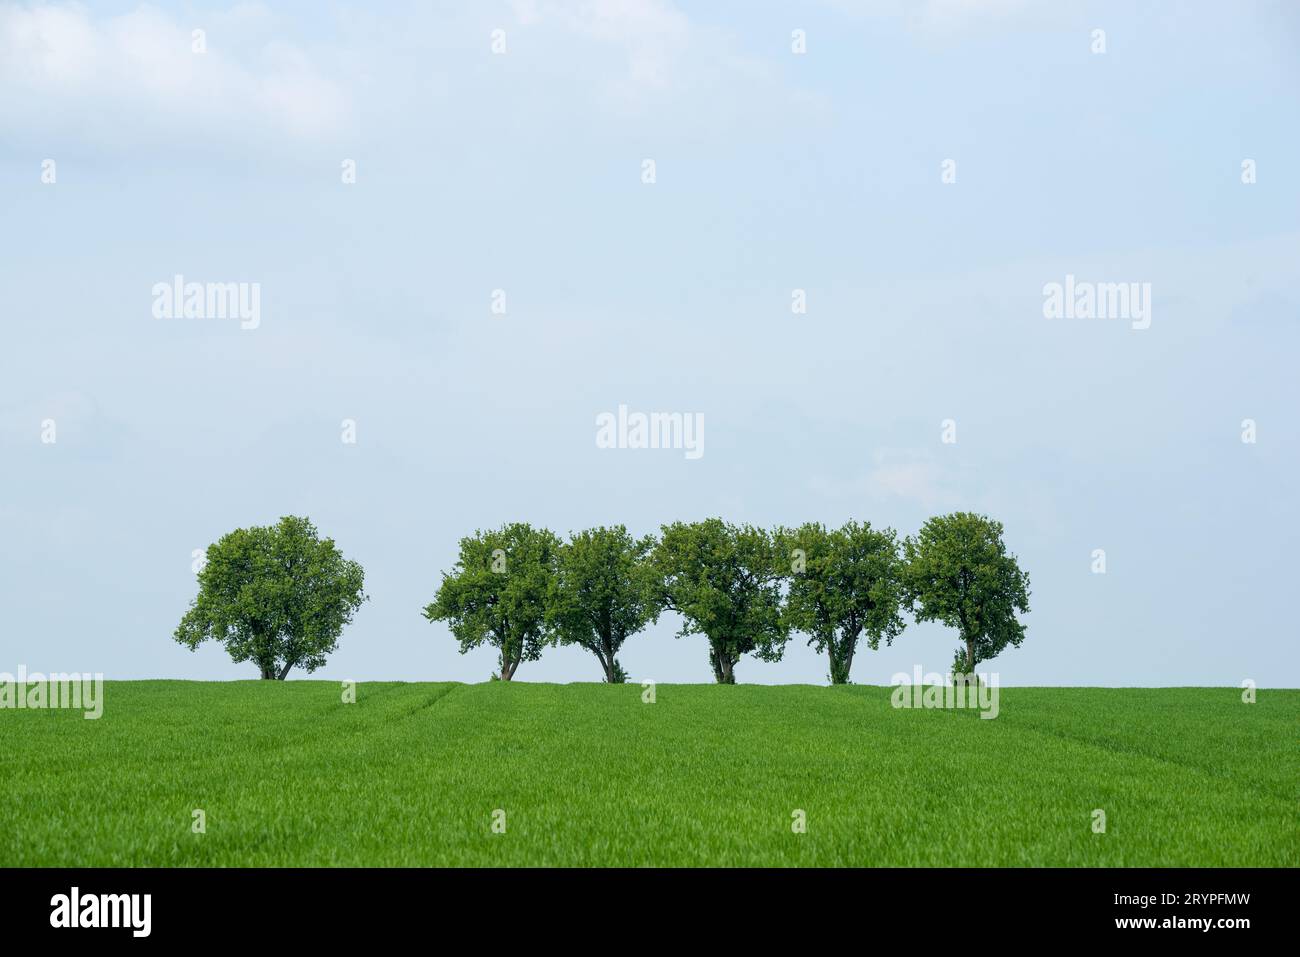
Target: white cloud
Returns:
[[911, 477], [908, 474], [270, 81], [653, 34], [130, 79], [936, 15], [642, 56]]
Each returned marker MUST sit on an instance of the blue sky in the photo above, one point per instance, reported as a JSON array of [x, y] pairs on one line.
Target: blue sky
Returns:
[[775, 171]]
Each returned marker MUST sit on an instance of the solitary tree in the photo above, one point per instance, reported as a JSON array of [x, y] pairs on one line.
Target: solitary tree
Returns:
[[498, 593], [724, 580], [601, 594], [278, 596], [958, 572], [844, 583]]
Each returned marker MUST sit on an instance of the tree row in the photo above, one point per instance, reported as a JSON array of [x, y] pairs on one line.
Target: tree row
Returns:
[[280, 596]]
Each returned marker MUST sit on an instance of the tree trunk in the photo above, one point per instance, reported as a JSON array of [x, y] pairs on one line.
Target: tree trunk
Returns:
[[970, 656], [285, 670], [840, 652], [724, 669], [839, 669], [508, 668], [268, 672], [606, 663]]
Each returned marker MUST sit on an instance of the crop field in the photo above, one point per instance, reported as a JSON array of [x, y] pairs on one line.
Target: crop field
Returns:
[[285, 773]]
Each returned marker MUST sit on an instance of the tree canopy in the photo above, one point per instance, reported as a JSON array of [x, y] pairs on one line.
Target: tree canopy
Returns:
[[844, 583], [499, 593], [602, 593], [278, 596], [958, 572], [724, 580]]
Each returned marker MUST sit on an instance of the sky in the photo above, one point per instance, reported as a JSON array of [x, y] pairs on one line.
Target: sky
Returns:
[[649, 189]]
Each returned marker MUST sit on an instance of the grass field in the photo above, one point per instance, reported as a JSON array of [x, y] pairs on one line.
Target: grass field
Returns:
[[589, 775]]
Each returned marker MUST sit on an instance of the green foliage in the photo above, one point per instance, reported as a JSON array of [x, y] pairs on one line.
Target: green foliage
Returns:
[[724, 580], [958, 572], [499, 593], [278, 596], [602, 594], [843, 583]]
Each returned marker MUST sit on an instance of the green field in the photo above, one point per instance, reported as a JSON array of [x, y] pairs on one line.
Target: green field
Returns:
[[589, 775]]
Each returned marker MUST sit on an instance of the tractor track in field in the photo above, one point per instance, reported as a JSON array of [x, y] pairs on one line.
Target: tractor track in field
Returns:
[[426, 705], [1119, 750]]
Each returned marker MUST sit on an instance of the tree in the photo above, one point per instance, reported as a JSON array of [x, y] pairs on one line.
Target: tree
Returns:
[[498, 594], [958, 572], [844, 583], [724, 580], [601, 593], [278, 596]]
